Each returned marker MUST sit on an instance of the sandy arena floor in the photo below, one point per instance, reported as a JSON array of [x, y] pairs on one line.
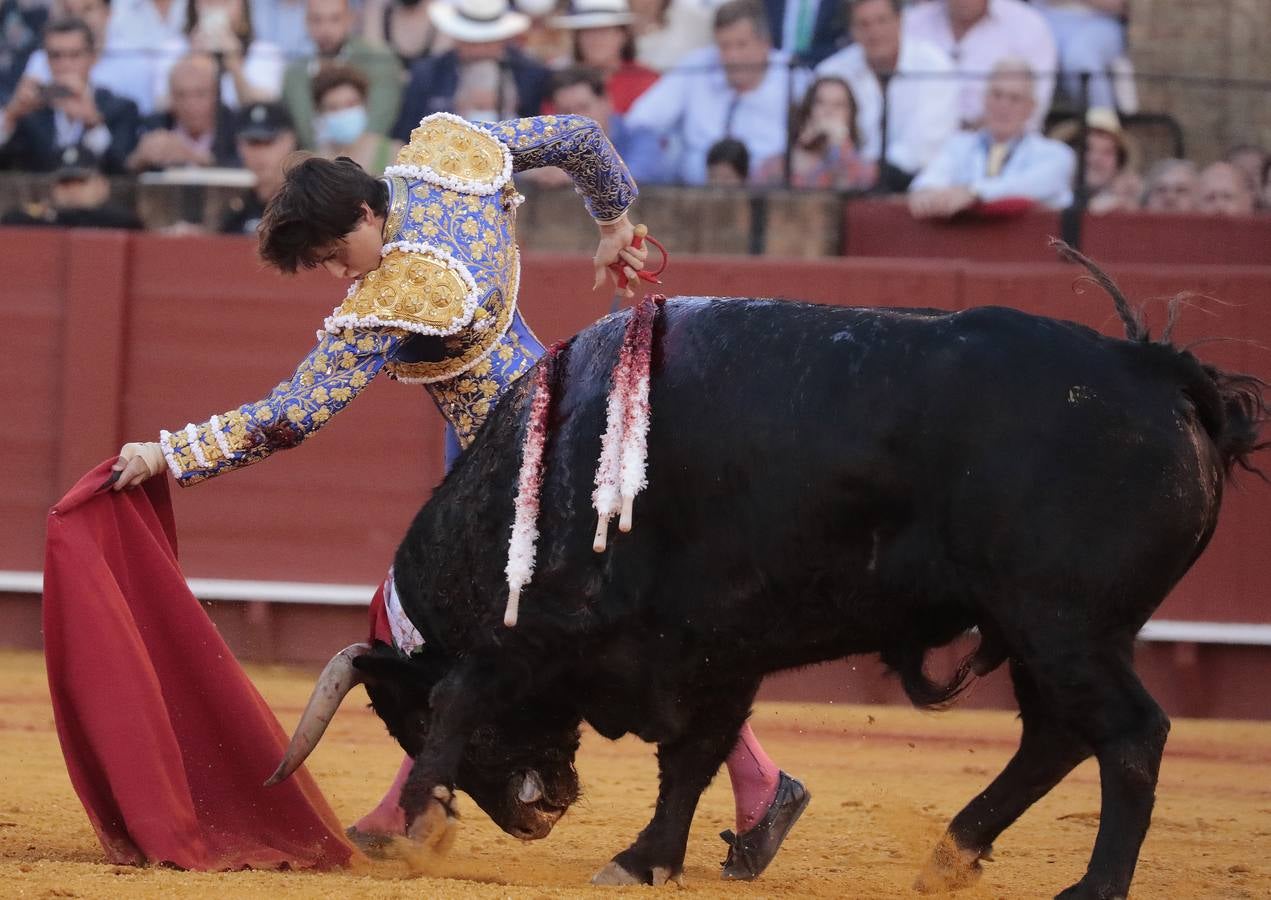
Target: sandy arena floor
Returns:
[[884, 780]]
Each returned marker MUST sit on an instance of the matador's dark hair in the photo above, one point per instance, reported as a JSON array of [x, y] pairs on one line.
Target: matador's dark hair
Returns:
[[318, 204]]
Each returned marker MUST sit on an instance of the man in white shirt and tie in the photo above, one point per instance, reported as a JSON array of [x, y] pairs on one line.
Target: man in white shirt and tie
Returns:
[[1003, 159], [922, 107], [976, 34], [740, 88]]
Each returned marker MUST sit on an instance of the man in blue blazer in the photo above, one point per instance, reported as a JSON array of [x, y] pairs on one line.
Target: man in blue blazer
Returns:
[[809, 30], [41, 121]]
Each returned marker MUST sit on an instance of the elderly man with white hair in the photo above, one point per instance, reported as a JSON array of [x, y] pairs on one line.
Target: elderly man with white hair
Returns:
[[1004, 159]]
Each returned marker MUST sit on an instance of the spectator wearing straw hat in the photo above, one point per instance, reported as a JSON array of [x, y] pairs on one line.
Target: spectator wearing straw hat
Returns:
[[603, 39], [1112, 160], [922, 107], [740, 88], [482, 31]]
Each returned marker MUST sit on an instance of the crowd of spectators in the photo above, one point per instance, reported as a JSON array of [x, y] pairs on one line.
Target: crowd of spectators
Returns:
[[941, 100]]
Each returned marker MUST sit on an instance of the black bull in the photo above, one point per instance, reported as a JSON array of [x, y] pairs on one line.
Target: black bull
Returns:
[[822, 482]]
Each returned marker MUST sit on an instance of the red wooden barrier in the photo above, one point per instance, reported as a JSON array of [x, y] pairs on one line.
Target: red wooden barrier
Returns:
[[884, 228], [117, 337]]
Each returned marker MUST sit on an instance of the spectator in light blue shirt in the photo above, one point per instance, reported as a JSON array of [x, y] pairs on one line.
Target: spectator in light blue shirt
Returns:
[[1002, 160], [740, 88]]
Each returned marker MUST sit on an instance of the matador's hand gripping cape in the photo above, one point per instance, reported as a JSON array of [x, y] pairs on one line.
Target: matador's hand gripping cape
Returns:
[[441, 308]]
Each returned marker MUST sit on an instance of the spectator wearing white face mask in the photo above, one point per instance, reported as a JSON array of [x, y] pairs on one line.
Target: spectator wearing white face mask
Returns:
[[339, 97]]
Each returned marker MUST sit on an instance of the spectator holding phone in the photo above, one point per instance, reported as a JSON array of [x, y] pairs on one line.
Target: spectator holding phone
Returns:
[[824, 151], [42, 120], [251, 68]]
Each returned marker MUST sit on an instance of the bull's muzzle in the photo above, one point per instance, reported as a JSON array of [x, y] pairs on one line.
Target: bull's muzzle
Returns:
[[336, 680]]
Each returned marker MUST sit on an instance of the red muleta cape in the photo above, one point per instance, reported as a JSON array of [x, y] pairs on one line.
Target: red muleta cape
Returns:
[[166, 740]]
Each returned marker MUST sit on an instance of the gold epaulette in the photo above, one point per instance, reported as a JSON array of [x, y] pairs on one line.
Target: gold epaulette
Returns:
[[420, 288], [452, 153]]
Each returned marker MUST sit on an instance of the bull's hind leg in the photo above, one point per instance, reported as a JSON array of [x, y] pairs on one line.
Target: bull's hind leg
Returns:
[[685, 767], [1047, 752], [1106, 704], [1080, 703]]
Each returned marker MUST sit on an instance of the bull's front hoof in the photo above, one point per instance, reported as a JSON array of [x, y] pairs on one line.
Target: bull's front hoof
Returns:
[[614, 875], [951, 868], [436, 826], [1083, 890]]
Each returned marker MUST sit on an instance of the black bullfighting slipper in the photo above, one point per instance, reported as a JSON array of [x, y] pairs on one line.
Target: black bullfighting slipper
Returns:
[[751, 852]]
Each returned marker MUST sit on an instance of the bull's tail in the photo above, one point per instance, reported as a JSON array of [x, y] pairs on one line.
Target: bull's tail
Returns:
[[1232, 406], [1242, 412]]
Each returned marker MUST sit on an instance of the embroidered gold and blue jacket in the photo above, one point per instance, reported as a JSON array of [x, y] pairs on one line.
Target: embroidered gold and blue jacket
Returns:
[[441, 308]]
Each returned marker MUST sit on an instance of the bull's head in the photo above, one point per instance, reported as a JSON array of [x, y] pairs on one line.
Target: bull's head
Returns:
[[519, 770]]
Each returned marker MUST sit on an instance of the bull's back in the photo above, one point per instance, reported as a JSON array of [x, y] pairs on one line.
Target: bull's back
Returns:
[[861, 463]]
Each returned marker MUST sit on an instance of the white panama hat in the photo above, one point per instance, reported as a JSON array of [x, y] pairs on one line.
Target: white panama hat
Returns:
[[478, 21], [595, 14]]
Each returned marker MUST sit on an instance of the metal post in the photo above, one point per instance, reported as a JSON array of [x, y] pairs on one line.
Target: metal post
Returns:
[[787, 165], [882, 186], [1070, 219]]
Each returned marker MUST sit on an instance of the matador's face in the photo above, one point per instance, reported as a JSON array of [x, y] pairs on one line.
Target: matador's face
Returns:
[[358, 252]]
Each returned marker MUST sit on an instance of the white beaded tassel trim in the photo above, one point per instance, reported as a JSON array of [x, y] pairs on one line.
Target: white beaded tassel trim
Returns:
[[215, 425], [165, 444], [192, 436]]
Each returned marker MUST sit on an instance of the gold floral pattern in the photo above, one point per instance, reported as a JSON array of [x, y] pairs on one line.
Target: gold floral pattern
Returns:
[[579, 146], [454, 149], [325, 381], [412, 290], [468, 400]]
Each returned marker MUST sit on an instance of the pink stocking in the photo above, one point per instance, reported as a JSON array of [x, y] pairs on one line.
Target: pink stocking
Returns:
[[387, 816], [754, 778]]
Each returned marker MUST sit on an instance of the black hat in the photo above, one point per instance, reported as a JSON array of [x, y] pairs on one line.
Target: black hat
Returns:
[[76, 162], [263, 121]]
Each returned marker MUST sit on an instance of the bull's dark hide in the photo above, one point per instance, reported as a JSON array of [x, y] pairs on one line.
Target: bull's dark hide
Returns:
[[823, 481]]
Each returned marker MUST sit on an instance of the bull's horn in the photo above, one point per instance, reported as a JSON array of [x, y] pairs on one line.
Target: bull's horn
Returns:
[[336, 680], [531, 788]]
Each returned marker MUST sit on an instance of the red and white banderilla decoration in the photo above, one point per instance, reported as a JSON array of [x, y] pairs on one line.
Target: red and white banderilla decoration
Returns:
[[622, 469]]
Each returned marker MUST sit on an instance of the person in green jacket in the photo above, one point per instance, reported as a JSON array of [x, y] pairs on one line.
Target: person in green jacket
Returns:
[[330, 24]]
